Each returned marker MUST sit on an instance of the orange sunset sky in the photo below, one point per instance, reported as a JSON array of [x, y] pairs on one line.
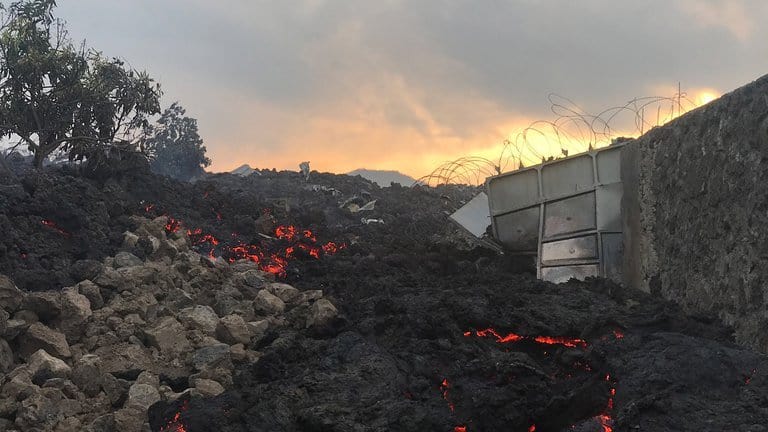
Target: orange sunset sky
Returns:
[[406, 85]]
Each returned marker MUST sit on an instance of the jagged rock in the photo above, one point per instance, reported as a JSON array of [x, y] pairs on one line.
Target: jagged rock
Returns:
[[15, 327], [168, 336], [115, 389], [179, 299], [87, 374], [209, 355], [67, 387], [126, 259], [201, 318], [258, 329], [75, 311], [310, 296], [91, 291], [104, 423], [237, 352], [10, 296], [124, 357], [138, 276], [69, 424], [166, 249], [144, 304], [110, 279], [149, 378], [233, 329], [130, 419], [38, 336], [18, 384], [142, 396], [130, 240], [8, 408], [4, 316], [321, 313], [46, 304], [6, 356], [208, 388], [39, 411], [86, 269], [285, 292], [43, 366], [254, 278], [225, 304], [268, 303], [216, 263]]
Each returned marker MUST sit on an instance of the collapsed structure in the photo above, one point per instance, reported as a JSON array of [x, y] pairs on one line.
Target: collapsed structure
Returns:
[[678, 212]]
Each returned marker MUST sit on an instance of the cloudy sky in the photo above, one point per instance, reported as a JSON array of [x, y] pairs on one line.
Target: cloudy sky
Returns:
[[396, 84]]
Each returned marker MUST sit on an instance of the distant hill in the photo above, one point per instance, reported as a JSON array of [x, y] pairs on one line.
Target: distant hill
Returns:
[[243, 170], [383, 178]]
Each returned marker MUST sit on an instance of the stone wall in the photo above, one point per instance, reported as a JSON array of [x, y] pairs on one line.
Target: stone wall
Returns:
[[696, 211]]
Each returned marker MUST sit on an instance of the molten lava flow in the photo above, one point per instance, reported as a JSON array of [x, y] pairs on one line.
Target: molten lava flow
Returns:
[[444, 386], [285, 232], [513, 337], [606, 422], [605, 419], [52, 225], [197, 237], [508, 338], [460, 429], [568, 342], [176, 424], [272, 258], [172, 225]]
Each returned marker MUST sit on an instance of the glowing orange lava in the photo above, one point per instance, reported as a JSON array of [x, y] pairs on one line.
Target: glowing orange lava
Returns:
[[172, 225], [176, 424], [568, 342], [272, 258], [513, 337], [444, 386]]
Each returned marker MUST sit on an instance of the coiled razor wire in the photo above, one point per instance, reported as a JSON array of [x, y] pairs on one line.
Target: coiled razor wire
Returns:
[[573, 131]]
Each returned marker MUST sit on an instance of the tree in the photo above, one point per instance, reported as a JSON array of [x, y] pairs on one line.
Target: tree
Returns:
[[174, 146], [54, 96]]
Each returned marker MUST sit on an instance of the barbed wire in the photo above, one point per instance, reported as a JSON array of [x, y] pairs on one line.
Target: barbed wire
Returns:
[[572, 131]]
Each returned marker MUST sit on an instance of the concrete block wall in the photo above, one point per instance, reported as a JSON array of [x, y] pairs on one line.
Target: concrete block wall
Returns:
[[695, 211]]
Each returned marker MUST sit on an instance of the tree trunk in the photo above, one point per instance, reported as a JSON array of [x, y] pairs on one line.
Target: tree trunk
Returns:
[[39, 158]]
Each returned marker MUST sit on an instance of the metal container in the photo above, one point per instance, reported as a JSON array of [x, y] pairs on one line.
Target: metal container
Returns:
[[566, 212]]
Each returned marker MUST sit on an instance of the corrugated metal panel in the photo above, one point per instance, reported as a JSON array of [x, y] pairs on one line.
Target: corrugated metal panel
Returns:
[[569, 215], [609, 165], [564, 274], [519, 231], [473, 216], [579, 248], [609, 207], [567, 177], [510, 192], [613, 250], [579, 232]]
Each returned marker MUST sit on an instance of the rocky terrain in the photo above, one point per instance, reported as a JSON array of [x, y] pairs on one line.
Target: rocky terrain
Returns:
[[271, 302]]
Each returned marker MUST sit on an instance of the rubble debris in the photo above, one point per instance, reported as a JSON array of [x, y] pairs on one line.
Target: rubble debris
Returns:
[[590, 355], [474, 216]]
